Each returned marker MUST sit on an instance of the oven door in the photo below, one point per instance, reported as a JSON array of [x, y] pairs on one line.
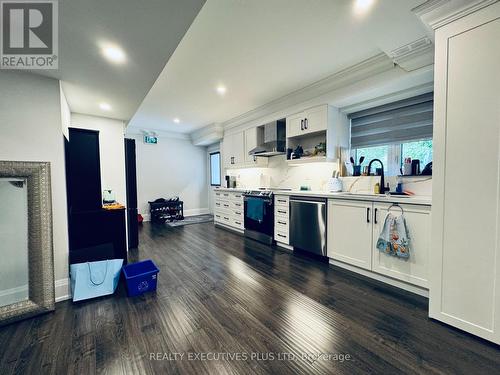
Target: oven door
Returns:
[[259, 216]]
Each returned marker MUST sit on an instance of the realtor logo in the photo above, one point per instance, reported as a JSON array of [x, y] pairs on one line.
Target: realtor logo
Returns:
[[29, 34]]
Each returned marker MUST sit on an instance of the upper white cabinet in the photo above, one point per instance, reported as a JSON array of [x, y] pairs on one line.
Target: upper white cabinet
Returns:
[[322, 123], [415, 269], [309, 121], [234, 149], [252, 139], [349, 234], [465, 250]]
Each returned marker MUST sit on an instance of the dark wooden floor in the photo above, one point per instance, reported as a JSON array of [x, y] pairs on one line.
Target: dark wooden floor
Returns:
[[221, 294]]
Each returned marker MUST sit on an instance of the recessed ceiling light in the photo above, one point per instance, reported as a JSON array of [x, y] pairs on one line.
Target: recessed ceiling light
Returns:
[[363, 5], [221, 90], [176, 120], [114, 54], [105, 106]]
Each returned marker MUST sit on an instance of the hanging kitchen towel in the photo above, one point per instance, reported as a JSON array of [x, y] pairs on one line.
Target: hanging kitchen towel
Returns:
[[255, 209], [94, 279], [394, 238]]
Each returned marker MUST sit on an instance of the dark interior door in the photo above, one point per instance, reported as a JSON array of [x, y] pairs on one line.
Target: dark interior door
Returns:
[[83, 170], [131, 181]]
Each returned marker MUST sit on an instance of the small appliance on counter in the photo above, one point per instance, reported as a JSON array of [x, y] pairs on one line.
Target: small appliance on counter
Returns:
[[415, 167], [427, 171], [108, 196], [335, 183], [231, 182]]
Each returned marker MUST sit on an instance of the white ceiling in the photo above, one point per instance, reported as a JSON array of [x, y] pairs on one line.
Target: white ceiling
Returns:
[[262, 50], [148, 31]]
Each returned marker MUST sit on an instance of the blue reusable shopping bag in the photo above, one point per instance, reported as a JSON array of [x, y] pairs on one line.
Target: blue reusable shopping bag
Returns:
[[94, 279]]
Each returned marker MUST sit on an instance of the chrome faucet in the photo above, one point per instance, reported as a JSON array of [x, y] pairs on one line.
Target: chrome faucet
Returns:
[[382, 182]]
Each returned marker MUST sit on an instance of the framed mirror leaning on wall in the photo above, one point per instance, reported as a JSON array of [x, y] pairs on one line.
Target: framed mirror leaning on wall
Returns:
[[26, 256]]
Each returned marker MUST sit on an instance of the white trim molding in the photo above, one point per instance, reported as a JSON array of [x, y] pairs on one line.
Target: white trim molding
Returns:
[[207, 135], [387, 280], [367, 68], [390, 98], [437, 13], [13, 295], [414, 55], [63, 290]]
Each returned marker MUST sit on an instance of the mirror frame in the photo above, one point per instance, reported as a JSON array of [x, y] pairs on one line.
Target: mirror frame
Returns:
[[41, 290]]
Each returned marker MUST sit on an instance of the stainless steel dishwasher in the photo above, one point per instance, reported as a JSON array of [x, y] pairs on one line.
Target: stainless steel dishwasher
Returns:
[[308, 224]]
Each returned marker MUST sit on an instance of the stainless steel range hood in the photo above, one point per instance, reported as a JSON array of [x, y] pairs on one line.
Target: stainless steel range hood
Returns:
[[271, 139]]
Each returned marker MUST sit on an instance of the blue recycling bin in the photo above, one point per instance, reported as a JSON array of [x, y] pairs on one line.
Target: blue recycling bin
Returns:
[[140, 277]]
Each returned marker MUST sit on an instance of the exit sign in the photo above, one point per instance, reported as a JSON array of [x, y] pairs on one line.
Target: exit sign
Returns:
[[150, 139]]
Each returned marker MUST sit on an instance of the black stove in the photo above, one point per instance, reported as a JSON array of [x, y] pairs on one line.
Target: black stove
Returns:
[[258, 193]]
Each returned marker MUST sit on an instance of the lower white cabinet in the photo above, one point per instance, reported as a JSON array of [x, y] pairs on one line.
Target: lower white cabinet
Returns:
[[413, 270], [349, 235], [353, 231], [281, 219], [229, 209]]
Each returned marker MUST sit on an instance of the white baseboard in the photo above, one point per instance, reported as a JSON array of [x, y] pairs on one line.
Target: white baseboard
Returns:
[[12, 295], [63, 290], [399, 284], [190, 212], [196, 211]]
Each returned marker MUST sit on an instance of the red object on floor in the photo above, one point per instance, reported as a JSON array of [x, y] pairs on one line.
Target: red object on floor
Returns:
[[140, 219]]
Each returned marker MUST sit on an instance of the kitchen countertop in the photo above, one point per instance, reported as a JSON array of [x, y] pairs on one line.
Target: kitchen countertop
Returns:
[[418, 200]]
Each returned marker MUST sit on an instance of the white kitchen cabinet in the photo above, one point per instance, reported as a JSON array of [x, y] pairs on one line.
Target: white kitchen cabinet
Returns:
[[316, 119], [413, 270], [282, 219], [233, 150], [465, 250], [252, 139], [349, 235], [310, 121], [295, 125], [228, 209]]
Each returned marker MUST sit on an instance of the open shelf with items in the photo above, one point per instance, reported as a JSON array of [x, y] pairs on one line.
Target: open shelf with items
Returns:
[[321, 132], [313, 146]]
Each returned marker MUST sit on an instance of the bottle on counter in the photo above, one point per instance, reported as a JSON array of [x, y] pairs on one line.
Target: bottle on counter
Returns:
[[399, 186], [376, 190]]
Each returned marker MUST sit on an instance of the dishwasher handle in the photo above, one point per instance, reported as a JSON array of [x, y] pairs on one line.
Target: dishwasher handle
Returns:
[[308, 200]]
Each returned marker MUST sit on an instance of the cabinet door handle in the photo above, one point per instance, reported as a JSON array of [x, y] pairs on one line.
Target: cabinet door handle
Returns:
[[375, 215], [301, 124], [368, 214], [306, 123], [280, 235], [281, 201], [281, 222], [282, 212]]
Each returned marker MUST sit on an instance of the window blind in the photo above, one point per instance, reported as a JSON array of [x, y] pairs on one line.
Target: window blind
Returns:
[[404, 120]]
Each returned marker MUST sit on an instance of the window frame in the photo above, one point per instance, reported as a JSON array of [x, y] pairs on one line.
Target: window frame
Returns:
[[394, 156], [220, 167]]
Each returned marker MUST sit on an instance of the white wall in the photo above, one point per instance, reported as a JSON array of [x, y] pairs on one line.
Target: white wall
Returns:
[[31, 130], [111, 149], [14, 242], [173, 167]]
